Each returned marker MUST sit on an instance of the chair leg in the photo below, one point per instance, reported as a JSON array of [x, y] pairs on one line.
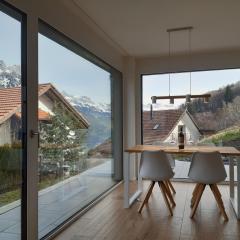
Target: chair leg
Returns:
[[163, 189], [171, 186], [198, 198], [194, 194], [169, 194], [218, 198], [147, 196], [149, 191], [217, 191]]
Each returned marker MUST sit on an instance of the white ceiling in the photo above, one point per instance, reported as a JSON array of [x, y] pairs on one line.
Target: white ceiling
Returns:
[[139, 26]]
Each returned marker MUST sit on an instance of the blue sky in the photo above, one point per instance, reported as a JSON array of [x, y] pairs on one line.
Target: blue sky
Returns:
[[72, 73], [10, 35], [75, 75]]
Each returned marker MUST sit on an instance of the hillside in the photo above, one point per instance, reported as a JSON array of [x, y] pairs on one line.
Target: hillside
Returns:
[[226, 137], [221, 112]]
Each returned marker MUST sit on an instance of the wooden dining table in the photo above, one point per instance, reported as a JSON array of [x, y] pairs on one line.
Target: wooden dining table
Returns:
[[231, 153]]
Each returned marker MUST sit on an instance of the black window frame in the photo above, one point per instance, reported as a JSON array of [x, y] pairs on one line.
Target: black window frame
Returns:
[[20, 16]]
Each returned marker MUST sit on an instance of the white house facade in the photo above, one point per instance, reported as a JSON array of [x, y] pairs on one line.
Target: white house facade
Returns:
[[190, 129]]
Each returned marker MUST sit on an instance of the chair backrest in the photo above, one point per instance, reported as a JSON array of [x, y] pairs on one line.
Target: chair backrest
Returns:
[[171, 160], [154, 165], [207, 167]]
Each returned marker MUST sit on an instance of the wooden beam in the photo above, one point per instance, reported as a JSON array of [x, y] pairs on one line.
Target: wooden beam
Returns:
[[183, 96]]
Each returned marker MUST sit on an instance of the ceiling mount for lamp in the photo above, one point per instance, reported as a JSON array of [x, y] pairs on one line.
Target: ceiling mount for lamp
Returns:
[[179, 29]]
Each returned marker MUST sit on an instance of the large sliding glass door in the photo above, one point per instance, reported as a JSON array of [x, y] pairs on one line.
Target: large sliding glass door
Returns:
[[77, 128], [11, 123]]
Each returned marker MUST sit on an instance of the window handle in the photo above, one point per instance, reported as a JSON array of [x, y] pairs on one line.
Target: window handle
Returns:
[[35, 133]]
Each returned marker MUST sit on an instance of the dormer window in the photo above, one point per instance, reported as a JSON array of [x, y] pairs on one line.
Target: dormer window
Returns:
[[157, 126]]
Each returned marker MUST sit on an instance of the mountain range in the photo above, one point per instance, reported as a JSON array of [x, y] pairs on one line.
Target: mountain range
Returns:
[[98, 115]]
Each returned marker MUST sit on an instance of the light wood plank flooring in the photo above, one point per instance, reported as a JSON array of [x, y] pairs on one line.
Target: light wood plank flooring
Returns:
[[109, 221]]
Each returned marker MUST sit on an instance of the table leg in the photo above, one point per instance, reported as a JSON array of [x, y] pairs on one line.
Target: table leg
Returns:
[[126, 170], [238, 188], [140, 184], [234, 199], [128, 201], [231, 177]]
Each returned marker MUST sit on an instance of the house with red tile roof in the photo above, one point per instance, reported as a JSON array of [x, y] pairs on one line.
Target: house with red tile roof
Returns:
[[10, 110], [162, 127]]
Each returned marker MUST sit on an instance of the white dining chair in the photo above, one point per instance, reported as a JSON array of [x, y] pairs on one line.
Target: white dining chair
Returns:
[[207, 168], [172, 164], [155, 166]]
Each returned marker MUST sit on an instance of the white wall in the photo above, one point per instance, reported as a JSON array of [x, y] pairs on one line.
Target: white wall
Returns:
[[129, 103], [190, 130], [45, 104], [5, 132]]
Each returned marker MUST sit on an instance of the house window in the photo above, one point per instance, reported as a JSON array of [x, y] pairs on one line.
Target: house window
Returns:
[[181, 127]]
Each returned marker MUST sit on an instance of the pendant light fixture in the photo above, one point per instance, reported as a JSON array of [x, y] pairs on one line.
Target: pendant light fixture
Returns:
[[189, 96]]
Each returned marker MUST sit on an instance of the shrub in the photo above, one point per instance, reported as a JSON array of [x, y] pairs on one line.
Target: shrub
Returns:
[[10, 167]]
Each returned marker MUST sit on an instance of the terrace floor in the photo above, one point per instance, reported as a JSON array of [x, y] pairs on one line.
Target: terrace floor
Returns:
[[59, 202]]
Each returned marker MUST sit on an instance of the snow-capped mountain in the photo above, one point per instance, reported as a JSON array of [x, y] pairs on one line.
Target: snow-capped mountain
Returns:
[[97, 114], [10, 76], [86, 103]]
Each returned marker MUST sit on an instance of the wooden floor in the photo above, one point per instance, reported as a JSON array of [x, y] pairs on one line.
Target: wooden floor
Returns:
[[108, 220]]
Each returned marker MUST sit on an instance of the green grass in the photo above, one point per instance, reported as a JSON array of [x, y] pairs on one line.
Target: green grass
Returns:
[[223, 136], [9, 197], [48, 182]]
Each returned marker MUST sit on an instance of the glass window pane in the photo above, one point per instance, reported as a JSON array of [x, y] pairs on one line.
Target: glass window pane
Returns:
[[212, 122], [76, 163], [10, 127]]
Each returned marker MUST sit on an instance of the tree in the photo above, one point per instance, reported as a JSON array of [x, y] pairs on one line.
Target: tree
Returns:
[[228, 95], [61, 140]]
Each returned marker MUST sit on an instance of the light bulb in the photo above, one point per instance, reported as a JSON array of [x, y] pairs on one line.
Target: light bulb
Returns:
[[154, 99], [188, 98]]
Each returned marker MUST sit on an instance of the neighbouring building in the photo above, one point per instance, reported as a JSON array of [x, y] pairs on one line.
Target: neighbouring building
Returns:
[[163, 127], [10, 110]]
